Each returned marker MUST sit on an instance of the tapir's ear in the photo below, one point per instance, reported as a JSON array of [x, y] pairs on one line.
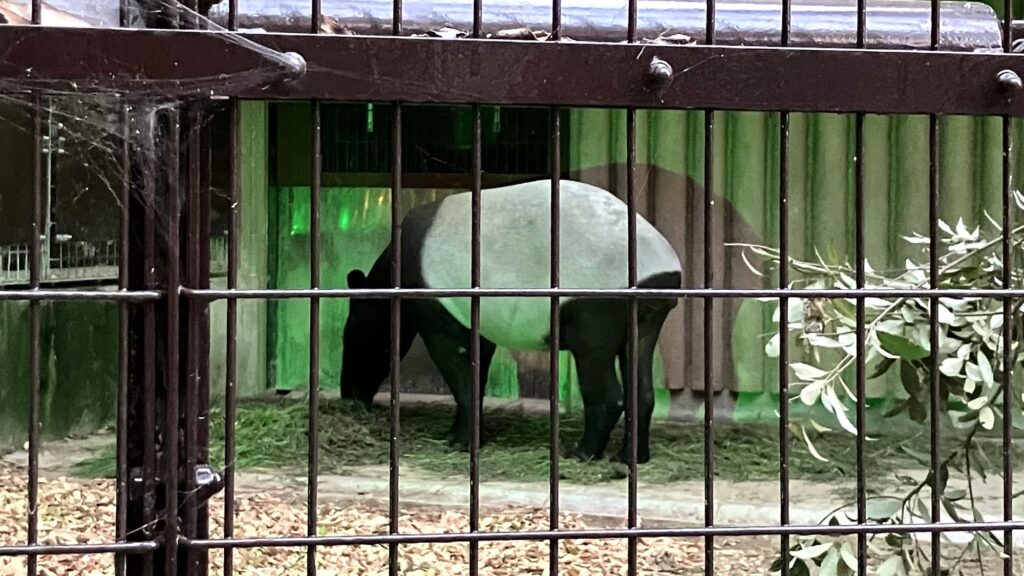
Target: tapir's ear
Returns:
[[356, 279]]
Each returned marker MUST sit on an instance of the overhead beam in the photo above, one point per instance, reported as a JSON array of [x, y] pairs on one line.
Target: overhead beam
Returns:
[[575, 74]]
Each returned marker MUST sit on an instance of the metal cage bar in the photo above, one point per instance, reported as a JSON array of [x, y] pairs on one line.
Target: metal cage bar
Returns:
[[708, 283], [313, 394], [1008, 306], [395, 447], [554, 379], [784, 440], [231, 329], [555, 320]]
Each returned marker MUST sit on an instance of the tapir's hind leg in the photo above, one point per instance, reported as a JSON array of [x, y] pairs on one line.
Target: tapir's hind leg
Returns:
[[602, 401], [651, 318], [593, 330], [448, 343]]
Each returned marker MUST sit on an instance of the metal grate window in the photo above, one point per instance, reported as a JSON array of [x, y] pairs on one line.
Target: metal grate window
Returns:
[[485, 98]]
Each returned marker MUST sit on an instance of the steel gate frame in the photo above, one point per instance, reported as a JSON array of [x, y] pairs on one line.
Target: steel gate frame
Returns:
[[164, 288]]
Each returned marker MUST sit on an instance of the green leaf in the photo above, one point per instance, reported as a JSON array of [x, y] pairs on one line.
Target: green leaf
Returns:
[[900, 346], [882, 367], [897, 408], [849, 558], [891, 567], [811, 551], [987, 417], [799, 569], [806, 372], [943, 478], [895, 540], [918, 412], [830, 565], [922, 458], [776, 565], [911, 379], [950, 508], [985, 367], [879, 509], [955, 495]]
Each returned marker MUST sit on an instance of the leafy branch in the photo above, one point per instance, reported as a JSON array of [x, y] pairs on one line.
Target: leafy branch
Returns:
[[971, 379]]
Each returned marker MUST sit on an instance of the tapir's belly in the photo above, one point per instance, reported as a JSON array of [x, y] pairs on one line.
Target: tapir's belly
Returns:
[[515, 253]]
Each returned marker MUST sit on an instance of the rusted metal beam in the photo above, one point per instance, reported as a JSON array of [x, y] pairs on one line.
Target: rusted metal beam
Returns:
[[430, 70]]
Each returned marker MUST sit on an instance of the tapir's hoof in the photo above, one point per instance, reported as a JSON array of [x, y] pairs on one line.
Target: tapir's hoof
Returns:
[[580, 453], [642, 456], [458, 444], [461, 443]]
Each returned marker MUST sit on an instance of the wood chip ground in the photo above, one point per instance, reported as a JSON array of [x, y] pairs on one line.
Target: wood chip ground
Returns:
[[73, 510]]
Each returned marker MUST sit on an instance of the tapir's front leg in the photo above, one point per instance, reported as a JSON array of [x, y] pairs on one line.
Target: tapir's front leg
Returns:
[[448, 344]]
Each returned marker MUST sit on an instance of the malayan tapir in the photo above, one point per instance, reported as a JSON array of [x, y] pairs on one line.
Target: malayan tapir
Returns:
[[515, 253]]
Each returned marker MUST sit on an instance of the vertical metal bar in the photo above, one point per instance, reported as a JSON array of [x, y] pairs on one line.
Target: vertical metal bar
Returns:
[[477, 393], [192, 344], [396, 328], [709, 406], [556, 326], [123, 349], [784, 308], [555, 321], [35, 266], [709, 373], [314, 323], [631, 376], [172, 424], [396, 309], [1007, 279], [231, 352], [933, 320], [632, 380], [860, 344], [862, 547], [314, 343], [149, 463], [121, 495]]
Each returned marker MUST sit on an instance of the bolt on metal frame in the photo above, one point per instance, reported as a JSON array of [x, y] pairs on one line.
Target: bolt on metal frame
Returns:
[[163, 284]]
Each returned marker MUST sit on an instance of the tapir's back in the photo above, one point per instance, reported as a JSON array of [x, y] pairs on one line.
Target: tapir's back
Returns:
[[515, 252]]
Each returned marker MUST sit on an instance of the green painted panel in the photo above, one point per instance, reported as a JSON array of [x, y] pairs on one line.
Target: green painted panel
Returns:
[[821, 207]]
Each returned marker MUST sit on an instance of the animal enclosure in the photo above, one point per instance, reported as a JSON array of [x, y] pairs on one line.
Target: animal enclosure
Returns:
[[610, 214]]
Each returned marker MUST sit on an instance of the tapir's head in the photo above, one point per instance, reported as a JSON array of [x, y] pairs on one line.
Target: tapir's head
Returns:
[[366, 342]]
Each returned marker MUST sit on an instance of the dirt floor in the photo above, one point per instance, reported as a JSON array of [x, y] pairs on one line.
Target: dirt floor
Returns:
[[269, 503], [78, 510]]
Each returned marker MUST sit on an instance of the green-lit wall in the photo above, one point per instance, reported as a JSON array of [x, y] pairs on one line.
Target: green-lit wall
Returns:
[[356, 220]]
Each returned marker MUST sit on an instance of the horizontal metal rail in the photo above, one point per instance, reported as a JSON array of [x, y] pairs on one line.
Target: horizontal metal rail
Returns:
[[92, 295], [607, 534], [507, 72], [70, 549], [421, 293]]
